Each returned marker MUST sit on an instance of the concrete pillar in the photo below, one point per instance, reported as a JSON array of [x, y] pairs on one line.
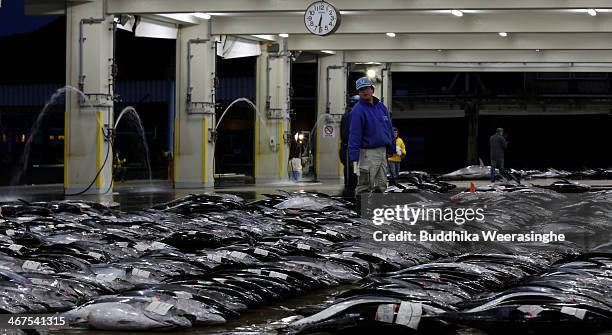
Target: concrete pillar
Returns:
[[272, 118], [471, 115], [88, 67], [331, 105], [194, 119], [386, 87]]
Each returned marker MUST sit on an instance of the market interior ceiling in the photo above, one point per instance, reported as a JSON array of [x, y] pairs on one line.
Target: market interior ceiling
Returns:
[[432, 35]]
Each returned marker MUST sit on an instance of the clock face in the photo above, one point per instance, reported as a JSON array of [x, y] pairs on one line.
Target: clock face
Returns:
[[322, 18]]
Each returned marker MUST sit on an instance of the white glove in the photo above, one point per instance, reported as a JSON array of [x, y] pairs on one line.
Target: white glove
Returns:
[[398, 150], [356, 168]]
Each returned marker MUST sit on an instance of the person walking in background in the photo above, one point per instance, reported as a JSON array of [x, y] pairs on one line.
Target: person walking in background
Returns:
[[498, 145], [295, 168], [396, 160], [350, 178], [370, 139]]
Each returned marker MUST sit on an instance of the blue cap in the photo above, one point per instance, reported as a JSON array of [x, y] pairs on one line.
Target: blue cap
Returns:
[[363, 82]]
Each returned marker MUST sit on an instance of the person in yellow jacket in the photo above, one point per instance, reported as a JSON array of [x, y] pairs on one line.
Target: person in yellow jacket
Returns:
[[396, 159]]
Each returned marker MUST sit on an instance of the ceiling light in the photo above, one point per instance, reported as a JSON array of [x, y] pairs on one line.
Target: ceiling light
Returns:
[[202, 16], [391, 34], [328, 52], [457, 12], [503, 34], [371, 73], [538, 50], [591, 11], [283, 35]]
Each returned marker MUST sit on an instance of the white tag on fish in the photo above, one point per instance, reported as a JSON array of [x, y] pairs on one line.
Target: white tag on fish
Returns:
[[409, 314], [214, 258], [183, 295], [105, 277], [262, 252], [141, 246], [255, 271], [385, 313], [140, 273], [577, 312], [303, 246], [39, 281], [331, 232], [237, 255], [279, 275], [15, 247], [10, 232], [95, 255], [531, 310], [157, 245], [307, 230], [159, 307], [30, 265], [192, 232]]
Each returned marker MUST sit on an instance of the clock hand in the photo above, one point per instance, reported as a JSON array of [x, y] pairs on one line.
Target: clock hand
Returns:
[[320, 19]]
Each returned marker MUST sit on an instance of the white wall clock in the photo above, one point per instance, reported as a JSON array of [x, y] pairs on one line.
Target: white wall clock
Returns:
[[322, 18]]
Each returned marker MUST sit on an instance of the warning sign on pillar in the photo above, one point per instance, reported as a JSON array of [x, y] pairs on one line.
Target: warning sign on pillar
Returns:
[[329, 130]]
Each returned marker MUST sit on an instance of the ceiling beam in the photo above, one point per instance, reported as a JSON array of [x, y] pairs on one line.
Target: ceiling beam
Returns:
[[186, 6], [479, 56], [414, 22], [518, 68], [486, 41]]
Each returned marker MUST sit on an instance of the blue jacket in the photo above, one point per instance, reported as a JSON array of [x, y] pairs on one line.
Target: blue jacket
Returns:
[[370, 128]]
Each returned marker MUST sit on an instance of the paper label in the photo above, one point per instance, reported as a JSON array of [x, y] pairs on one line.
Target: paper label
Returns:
[[275, 274], [409, 314], [30, 265], [15, 247], [385, 313], [183, 295], [140, 273], [39, 281], [105, 277], [141, 246], [95, 255], [531, 310], [577, 312], [255, 271], [331, 232], [157, 245], [159, 307], [237, 255], [303, 246], [262, 252], [214, 258]]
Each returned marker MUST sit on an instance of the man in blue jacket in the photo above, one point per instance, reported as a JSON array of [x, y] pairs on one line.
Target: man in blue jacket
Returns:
[[370, 139]]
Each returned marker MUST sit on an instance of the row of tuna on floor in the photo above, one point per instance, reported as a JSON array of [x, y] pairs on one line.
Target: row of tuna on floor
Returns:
[[204, 259]]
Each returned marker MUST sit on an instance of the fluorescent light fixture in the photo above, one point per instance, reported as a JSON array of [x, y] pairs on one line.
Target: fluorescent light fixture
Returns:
[[538, 50], [202, 16], [331, 52], [283, 35], [591, 11], [371, 73], [266, 37], [503, 34], [457, 12], [391, 34]]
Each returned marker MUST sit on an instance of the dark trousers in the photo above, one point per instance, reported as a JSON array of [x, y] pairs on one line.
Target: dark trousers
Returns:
[[350, 178]]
